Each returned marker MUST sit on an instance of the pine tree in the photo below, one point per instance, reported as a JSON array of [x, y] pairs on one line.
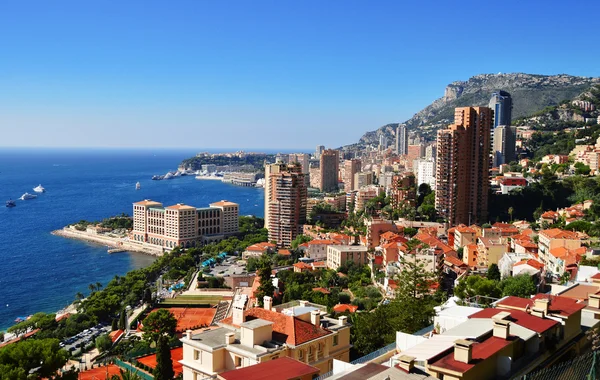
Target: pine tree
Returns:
[[164, 363], [115, 325], [122, 320], [266, 287]]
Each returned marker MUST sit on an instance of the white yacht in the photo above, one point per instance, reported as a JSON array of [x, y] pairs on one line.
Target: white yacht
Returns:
[[39, 189], [27, 196], [138, 186]]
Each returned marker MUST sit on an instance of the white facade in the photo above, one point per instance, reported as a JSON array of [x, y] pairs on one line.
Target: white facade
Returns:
[[425, 172]]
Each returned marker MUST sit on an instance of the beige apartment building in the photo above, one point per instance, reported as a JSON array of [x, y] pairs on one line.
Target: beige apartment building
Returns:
[[351, 167], [231, 220], [329, 170], [181, 225], [258, 335], [338, 255]]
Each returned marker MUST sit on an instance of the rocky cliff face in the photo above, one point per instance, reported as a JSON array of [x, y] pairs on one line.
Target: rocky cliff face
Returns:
[[530, 93]]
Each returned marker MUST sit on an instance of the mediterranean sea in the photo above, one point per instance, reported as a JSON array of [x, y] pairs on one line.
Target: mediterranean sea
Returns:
[[42, 272]]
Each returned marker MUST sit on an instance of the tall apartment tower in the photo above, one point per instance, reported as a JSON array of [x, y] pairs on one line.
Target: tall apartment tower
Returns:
[[287, 205], [329, 169], [351, 167], [462, 169], [269, 170], [401, 139], [501, 104], [504, 144], [318, 151]]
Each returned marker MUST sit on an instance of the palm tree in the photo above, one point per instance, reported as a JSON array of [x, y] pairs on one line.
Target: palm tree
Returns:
[[92, 287], [98, 286], [79, 296], [510, 212]]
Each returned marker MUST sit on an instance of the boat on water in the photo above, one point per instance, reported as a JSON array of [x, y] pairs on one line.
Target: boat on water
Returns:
[[138, 186], [27, 196], [39, 189], [157, 177], [10, 203], [169, 175]]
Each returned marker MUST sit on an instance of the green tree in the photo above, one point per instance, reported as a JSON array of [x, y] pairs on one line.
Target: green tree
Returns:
[[157, 324], [126, 375], [472, 286], [43, 355], [164, 363], [493, 273], [103, 343], [114, 326], [266, 287], [518, 286], [147, 295], [122, 320]]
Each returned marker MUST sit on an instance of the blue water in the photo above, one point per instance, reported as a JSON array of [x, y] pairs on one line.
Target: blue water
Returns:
[[42, 272]]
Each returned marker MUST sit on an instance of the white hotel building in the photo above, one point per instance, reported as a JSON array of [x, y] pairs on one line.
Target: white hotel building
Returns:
[[183, 225]]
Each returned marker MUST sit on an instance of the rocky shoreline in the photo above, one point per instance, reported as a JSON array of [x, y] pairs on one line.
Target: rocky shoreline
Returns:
[[109, 241]]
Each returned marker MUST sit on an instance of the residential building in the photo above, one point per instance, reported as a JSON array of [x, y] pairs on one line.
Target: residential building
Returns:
[[401, 139], [287, 205], [329, 170], [318, 151], [258, 249], [230, 212], [507, 184], [504, 145], [182, 225], [556, 238], [283, 368], [362, 179], [403, 191], [302, 159], [365, 194], [338, 255], [257, 335], [317, 249], [270, 169], [351, 167], [462, 167], [425, 172], [463, 235], [501, 105]]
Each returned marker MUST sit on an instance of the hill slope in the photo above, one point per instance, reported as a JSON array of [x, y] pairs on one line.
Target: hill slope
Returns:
[[530, 94]]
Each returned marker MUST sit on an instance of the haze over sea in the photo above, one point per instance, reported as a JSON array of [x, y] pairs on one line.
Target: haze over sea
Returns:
[[42, 272]]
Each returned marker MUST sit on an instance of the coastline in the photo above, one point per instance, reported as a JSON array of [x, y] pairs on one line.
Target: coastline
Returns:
[[113, 242]]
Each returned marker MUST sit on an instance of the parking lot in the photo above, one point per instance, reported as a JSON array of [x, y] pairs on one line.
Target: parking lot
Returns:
[[84, 339]]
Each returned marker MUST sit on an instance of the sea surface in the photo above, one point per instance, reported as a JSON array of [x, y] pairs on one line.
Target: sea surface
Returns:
[[42, 272]]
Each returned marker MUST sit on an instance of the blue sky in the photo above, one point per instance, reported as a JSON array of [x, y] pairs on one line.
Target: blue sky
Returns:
[[261, 74]]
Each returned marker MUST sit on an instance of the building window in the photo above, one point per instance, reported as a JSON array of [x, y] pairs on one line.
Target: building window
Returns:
[[300, 355], [238, 361], [335, 340], [197, 356]]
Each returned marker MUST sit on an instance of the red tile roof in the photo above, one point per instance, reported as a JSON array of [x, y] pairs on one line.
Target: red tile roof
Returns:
[[557, 233], [321, 290], [455, 261], [596, 276], [562, 306], [321, 242], [283, 368], [532, 263], [284, 252], [343, 307], [520, 318], [288, 329], [260, 246], [481, 351]]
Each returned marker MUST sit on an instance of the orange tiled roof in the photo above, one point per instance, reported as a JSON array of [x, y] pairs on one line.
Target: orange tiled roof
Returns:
[[464, 229], [180, 207], [454, 261], [557, 233], [288, 329], [284, 252], [260, 246], [223, 203], [321, 290], [343, 307], [321, 242], [550, 215], [532, 263]]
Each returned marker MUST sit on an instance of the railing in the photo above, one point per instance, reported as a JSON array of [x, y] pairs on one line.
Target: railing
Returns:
[[129, 367]]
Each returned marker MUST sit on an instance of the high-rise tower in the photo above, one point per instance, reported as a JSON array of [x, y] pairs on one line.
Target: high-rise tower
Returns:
[[501, 104], [329, 170], [401, 139], [462, 168]]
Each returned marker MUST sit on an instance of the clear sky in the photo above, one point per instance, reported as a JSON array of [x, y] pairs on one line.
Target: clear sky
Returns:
[[261, 74]]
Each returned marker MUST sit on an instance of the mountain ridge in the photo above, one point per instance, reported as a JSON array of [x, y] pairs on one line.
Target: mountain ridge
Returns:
[[530, 93]]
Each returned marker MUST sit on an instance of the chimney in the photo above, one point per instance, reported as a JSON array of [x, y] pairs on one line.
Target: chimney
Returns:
[[315, 317], [342, 320], [463, 351], [230, 338], [501, 329], [238, 314], [594, 300], [303, 303], [267, 302], [407, 362], [542, 304], [538, 312], [188, 334]]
